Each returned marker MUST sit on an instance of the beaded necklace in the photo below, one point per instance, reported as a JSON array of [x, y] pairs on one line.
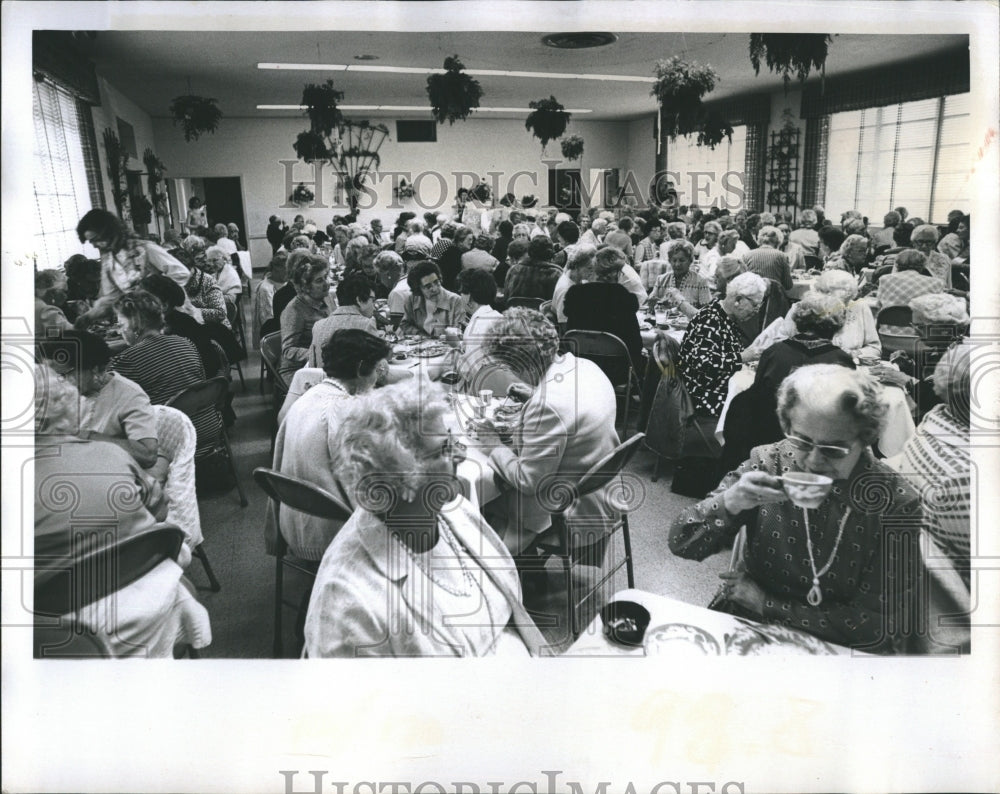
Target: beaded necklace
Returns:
[[815, 595]]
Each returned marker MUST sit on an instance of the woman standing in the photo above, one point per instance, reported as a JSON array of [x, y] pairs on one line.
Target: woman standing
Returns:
[[197, 215]]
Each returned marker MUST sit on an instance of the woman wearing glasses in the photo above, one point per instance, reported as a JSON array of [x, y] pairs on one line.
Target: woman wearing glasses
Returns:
[[430, 308], [847, 568]]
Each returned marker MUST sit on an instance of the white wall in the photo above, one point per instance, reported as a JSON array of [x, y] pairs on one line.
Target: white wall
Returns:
[[254, 148], [641, 152]]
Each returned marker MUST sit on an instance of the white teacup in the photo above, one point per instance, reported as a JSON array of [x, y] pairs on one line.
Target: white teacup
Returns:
[[806, 489]]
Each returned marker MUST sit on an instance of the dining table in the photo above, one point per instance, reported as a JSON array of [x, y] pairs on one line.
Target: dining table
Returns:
[[802, 282], [681, 630], [899, 426]]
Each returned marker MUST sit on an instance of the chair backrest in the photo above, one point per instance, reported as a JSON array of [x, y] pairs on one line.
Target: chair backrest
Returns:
[[907, 343], [200, 396], [525, 303], [895, 315], [270, 354], [561, 495], [301, 495], [604, 349], [269, 326], [813, 262], [104, 569]]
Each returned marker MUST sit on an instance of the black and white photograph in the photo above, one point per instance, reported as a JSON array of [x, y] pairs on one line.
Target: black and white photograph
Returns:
[[440, 396]]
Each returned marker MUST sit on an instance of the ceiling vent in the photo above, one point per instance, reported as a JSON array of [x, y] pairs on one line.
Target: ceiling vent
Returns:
[[578, 41]]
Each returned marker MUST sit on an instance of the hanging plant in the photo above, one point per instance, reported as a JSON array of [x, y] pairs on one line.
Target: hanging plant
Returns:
[[302, 195], [453, 95], [572, 147], [321, 103], [547, 121], [142, 209], [154, 178], [197, 115], [788, 53], [310, 146], [116, 167], [679, 88]]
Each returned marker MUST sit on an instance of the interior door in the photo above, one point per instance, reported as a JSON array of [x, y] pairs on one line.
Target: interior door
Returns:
[[224, 200], [564, 189]]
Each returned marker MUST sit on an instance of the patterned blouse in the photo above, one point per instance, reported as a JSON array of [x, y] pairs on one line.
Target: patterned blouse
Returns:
[[710, 354], [898, 289], [693, 287], [205, 294], [871, 583]]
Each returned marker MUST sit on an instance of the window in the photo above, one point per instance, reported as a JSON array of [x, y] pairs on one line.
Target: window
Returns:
[[59, 176], [914, 154], [684, 158]]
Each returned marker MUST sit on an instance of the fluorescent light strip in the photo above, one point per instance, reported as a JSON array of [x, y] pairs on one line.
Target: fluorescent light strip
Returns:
[[409, 108], [342, 67]]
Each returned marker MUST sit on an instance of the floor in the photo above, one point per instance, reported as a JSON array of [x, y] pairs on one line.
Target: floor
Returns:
[[242, 610]]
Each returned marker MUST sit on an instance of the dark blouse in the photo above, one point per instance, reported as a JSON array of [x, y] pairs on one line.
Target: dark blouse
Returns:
[[596, 306], [710, 354]]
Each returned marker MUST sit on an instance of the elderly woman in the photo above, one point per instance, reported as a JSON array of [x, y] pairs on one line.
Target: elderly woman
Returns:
[[852, 255], [709, 238], [925, 239], [148, 617], [263, 301], [955, 244], [605, 305], [681, 288], [407, 575], [390, 282], [537, 277], [579, 269], [311, 276], [910, 280], [356, 309], [124, 260], [858, 337], [795, 253], [162, 365], [713, 345], [50, 291], [220, 265], [352, 361], [203, 291], [429, 308], [805, 235], [767, 261], [562, 434], [221, 234], [833, 569], [117, 410], [675, 232]]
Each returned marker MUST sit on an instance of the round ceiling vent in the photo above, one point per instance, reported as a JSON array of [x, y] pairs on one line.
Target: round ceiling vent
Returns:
[[578, 41]]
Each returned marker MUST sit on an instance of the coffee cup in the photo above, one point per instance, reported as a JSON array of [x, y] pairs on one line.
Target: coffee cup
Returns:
[[805, 489]]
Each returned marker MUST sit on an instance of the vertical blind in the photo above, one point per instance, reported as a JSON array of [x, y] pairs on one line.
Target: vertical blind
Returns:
[[912, 154], [59, 174], [684, 158]]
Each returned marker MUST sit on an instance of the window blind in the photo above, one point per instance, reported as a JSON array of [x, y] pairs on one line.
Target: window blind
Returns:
[[684, 158], [59, 175]]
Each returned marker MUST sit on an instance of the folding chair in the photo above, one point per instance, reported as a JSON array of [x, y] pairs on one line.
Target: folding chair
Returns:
[[525, 303], [199, 397], [270, 356], [305, 497], [611, 355], [897, 317], [269, 326]]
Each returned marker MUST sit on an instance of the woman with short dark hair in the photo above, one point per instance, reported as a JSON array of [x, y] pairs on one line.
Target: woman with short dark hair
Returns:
[[356, 309], [310, 274], [429, 308]]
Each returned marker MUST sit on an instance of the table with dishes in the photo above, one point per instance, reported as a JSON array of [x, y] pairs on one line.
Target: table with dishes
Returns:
[[802, 282], [899, 426], [669, 321], [637, 623]]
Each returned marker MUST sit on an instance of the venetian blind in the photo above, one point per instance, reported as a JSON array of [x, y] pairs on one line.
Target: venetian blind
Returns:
[[59, 175], [913, 154], [684, 158]]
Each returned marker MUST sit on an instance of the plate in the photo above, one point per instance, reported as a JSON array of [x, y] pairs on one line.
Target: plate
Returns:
[[430, 350], [681, 638], [770, 639]]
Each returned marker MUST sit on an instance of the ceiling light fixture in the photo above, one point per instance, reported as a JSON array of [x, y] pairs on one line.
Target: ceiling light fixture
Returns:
[[578, 40], [413, 108], [341, 67], [365, 57]]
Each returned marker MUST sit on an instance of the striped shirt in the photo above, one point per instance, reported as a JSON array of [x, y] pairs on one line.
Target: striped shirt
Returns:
[[163, 365], [770, 263]]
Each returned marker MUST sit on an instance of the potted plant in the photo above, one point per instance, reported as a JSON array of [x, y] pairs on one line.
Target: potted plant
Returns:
[[572, 147], [142, 209], [785, 53], [547, 121], [680, 86], [154, 178], [196, 114], [302, 195], [116, 168], [453, 95]]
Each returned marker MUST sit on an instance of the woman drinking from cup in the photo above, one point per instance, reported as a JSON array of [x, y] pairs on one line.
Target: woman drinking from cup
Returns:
[[831, 532]]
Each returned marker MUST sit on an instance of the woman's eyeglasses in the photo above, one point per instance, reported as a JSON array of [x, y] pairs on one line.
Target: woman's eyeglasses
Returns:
[[826, 450]]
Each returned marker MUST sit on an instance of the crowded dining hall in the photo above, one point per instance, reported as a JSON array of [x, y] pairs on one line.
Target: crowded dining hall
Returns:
[[354, 357]]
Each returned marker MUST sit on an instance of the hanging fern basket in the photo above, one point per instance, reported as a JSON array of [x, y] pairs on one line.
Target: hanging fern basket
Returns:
[[547, 121], [320, 102], [196, 115], [572, 147], [790, 53], [453, 94], [679, 88]]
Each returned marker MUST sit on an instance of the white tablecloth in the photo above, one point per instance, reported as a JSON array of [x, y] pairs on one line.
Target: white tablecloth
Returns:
[[245, 265], [678, 629], [800, 286], [474, 472], [899, 426]]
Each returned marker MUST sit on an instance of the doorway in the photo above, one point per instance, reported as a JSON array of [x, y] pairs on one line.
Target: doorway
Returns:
[[223, 197], [565, 191]]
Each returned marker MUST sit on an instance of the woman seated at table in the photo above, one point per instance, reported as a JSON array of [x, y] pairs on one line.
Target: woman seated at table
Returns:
[[263, 306], [910, 280], [712, 349], [355, 309], [209, 338], [767, 260], [352, 362], [537, 276], [830, 240], [220, 265], [406, 575], [681, 288], [605, 305], [50, 292], [429, 308], [117, 410], [310, 274], [150, 616], [567, 425], [852, 256], [124, 260], [162, 365], [925, 240], [202, 288], [834, 570]]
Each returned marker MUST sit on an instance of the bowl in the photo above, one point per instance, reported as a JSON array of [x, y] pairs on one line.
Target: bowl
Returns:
[[805, 489], [869, 361], [625, 622]]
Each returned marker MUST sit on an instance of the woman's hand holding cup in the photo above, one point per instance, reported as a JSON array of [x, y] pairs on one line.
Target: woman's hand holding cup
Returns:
[[751, 490]]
